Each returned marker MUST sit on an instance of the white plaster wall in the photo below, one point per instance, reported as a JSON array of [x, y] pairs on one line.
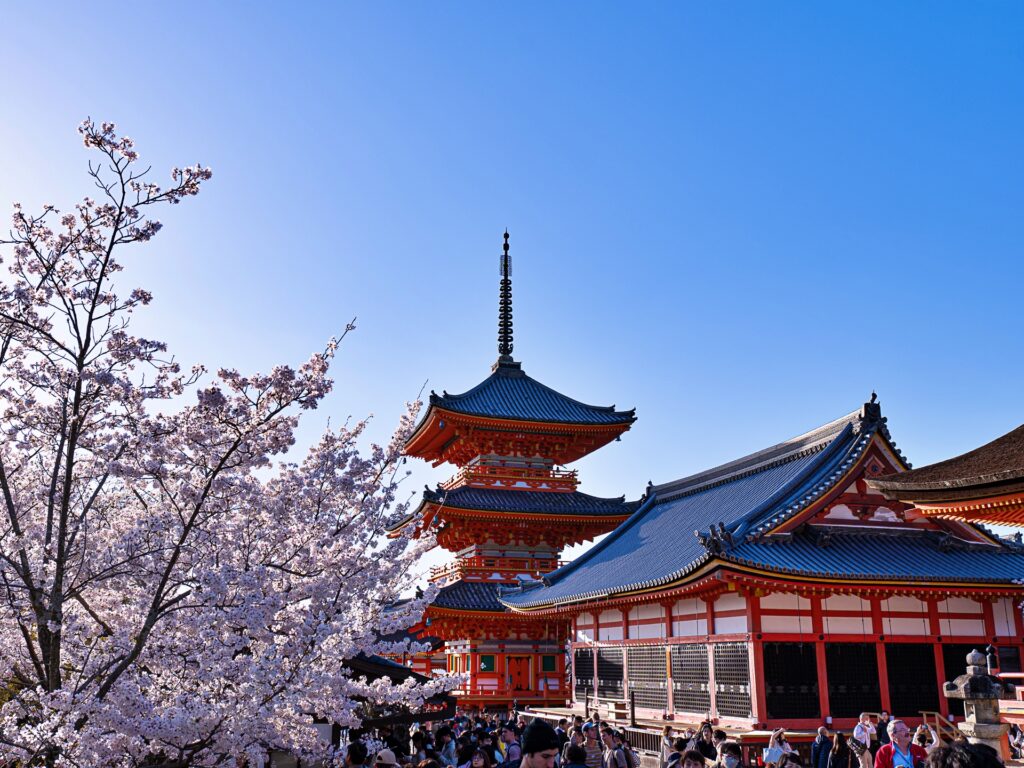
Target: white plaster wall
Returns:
[[1002, 610], [786, 624], [727, 625], [689, 605], [610, 617], [647, 612], [962, 627], [960, 605], [730, 601], [785, 601], [610, 633], [904, 603], [585, 635], [689, 627], [647, 631], [847, 625], [905, 626], [845, 603]]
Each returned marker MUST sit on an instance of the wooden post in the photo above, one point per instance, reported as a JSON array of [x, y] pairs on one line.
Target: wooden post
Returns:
[[818, 628], [883, 665]]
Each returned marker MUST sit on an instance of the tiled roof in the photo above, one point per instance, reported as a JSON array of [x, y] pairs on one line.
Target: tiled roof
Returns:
[[469, 596], [509, 393], [735, 504], [986, 470], [517, 502], [530, 502], [914, 556]]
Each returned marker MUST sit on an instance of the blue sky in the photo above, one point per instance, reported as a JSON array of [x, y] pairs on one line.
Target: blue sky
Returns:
[[739, 218]]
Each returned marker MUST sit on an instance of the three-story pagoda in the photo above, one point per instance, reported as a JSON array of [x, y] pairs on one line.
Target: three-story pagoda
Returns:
[[507, 513]]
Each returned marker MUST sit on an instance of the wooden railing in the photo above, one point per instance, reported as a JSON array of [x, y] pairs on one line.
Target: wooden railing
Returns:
[[536, 567], [944, 729], [489, 475]]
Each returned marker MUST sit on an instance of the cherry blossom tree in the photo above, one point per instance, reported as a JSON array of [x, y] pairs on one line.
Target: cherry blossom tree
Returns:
[[172, 590]]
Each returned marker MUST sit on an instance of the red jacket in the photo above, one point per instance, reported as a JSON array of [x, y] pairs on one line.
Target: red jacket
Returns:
[[883, 759]]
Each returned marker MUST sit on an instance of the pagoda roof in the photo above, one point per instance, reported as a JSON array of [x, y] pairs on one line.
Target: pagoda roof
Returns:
[[469, 596], [508, 393], [732, 509], [572, 503], [517, 502], [994, 468]]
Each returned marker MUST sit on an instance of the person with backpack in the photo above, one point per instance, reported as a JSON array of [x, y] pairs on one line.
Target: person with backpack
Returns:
[[614, 755], [509, 738]]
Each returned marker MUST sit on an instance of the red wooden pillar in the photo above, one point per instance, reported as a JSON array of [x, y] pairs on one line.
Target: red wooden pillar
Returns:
[[755, 659], [625, 653], [709, 603], [883, 665], [670, 702], [818, 628], [935, 629], [597, 638], [990, 620]]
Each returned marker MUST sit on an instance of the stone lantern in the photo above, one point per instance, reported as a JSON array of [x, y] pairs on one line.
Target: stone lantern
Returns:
[[981, 692]]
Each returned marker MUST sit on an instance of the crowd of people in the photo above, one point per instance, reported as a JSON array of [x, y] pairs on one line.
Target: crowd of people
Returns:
[[522, 742]]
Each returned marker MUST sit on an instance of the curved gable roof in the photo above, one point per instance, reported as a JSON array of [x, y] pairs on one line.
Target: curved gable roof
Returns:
[[657, 544], [509, 393]]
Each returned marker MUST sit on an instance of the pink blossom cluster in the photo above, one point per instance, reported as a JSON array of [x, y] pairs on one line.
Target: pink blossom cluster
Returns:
[[174, 590]]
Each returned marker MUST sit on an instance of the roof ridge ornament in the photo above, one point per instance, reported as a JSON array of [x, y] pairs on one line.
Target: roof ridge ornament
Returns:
[[505, 305]]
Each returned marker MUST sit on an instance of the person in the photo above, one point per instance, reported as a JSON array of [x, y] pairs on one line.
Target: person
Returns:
[[446, 748], [692, 758], [900, 752], [560, 730], [667, 746], [679, 747], [864, 732], [386, 759], [614, 756], [513, 752], [464, 751], [592, 746], [882, 729], [705, 743], [419, 752], [480, 759], [487, 745], [729, 755], [820, 748], [841, 756], [575, 756], [632, 758], [778, 747], [961, 754], [925, 736], [540, 745], [718, 738], [356, 754], [575, 740]]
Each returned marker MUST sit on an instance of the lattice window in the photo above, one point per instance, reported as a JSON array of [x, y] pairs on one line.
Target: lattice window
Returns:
[[912, 685], [791, 680], [583, 672], [648, 675], [609, 673], [954, 664], [690, 691], [732, 680], [852, 679]]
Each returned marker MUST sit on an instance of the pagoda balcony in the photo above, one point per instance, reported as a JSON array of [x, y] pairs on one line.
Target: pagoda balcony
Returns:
[[483, 568], [511, 477]]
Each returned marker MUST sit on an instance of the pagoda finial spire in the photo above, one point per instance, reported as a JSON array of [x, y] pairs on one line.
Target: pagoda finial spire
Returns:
[[505, 305]]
